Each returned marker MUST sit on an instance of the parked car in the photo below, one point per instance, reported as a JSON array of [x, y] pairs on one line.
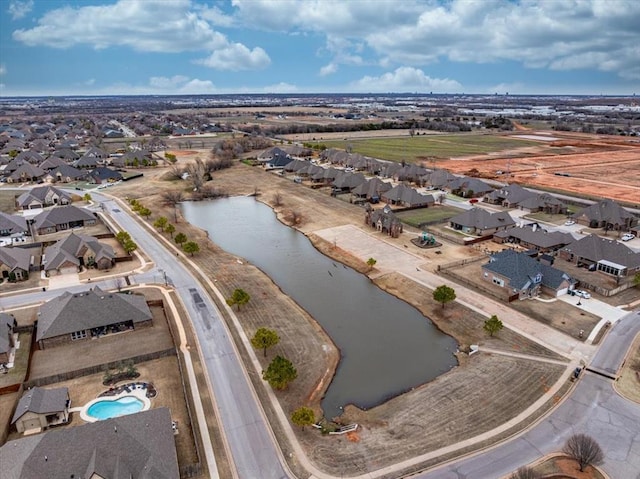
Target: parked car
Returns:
[[569, 222], [473, 200], [581, 293], [627, 236]]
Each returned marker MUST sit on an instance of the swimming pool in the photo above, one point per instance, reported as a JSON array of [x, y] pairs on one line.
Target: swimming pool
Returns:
[[108, 408]]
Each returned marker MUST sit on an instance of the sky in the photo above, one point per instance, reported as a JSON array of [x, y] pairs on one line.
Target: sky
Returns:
[[135, 47]]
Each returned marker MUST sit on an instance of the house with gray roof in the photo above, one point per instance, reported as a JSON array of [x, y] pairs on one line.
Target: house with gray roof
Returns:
[[7, 336], [15, 263], [89, 314], [26, 173], [12, 224], [606, 214], [480, 222], [102, 174], [524, 276], [372, 189], [135, 446], [51, 163], [40, 408], [71, 254], [62, 218], [41, 197], [65, 174], [468, 187], [545, 203], [609, 256], [403, 195], [533, 237], [383, 220]]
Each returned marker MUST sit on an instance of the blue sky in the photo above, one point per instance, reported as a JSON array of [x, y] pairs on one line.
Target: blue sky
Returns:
[[94, 47]]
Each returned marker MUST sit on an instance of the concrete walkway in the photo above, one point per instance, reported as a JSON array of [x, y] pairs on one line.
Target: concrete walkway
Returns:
[[391, 258]]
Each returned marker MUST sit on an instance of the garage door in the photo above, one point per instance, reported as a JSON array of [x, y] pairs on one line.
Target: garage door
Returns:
[[562, 291], [69, 270]]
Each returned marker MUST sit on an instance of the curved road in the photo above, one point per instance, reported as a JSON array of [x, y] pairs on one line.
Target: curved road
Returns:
[[593, 407]]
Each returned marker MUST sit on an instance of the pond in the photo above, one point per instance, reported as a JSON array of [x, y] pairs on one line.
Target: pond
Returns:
[[387, 346]]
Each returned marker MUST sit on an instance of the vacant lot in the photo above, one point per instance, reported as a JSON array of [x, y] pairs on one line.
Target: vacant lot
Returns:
[[628, 384], [423, 147], [427, 215]]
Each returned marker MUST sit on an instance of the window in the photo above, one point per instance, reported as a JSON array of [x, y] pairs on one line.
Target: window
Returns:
[[498, 281], [79, 335]]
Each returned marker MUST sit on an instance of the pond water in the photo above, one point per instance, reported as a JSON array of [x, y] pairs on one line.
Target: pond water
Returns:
[[387, 347]]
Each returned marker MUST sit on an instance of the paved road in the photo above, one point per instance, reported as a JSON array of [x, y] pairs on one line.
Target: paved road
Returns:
[[611, 354], [248, 435], [593, 408]]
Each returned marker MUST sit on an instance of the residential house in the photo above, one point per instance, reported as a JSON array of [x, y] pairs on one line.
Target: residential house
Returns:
[[271, 153], [278, 161], [347, 181], [508, 196], [26, 173], [606, 214], [523, 275], [62, 218], [405, 196], [40, 408], [605, 255], [102, 174], [90, 314], [87, 162], [545, 203], [7, 336], [15, 263], [372, 190], [51, 163], [65, 174], [480, 222], [468, 187], [437, 178], [71, 254], [383, 220], [134, 446], [42, 196], [533, 237], [12, 225]]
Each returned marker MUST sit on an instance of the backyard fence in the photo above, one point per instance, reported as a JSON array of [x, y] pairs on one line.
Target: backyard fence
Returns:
[[99, 368]]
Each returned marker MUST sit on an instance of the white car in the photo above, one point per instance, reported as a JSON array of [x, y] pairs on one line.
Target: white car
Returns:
[[582, 293], [627, 236], [569, 222]]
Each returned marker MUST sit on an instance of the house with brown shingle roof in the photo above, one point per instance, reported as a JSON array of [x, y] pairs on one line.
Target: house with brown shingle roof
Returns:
[[14, 263]]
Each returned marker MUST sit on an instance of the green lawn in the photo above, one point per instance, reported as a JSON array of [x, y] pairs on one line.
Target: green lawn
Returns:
[[419, 148], [427, 215]]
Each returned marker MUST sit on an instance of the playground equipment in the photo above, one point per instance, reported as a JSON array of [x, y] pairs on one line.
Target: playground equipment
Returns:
[[427, 239]]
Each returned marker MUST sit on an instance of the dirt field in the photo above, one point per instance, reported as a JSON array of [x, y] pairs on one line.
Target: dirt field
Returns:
[[628, 384], [609, 171], [398, 423]]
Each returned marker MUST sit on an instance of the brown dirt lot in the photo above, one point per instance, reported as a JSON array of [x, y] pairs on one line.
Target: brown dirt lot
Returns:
[[628, 383], [400, 422], [610, 171]]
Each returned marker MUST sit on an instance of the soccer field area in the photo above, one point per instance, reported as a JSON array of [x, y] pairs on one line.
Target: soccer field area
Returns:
[[419, 148]]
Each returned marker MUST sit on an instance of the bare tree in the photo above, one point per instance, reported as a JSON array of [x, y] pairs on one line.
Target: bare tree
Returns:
[[277, 199], [584, 449], [175, 172], [525, 473], [196, 171], [294, 217], [173, 198]]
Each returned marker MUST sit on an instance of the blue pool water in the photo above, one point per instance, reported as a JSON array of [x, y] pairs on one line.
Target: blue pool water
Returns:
[[113, 408]]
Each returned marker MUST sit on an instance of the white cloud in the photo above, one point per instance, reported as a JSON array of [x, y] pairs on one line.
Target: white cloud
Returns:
[[406, 79], [163, 26], [557, 34], [3, 69], [236, 57], [281, 88], [90, 82], [329, 69], [165, 82], [195, 86], [18, 9]]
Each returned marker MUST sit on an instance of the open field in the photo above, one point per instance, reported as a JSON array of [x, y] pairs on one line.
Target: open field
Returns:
[[628, 384], [423, 147]]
